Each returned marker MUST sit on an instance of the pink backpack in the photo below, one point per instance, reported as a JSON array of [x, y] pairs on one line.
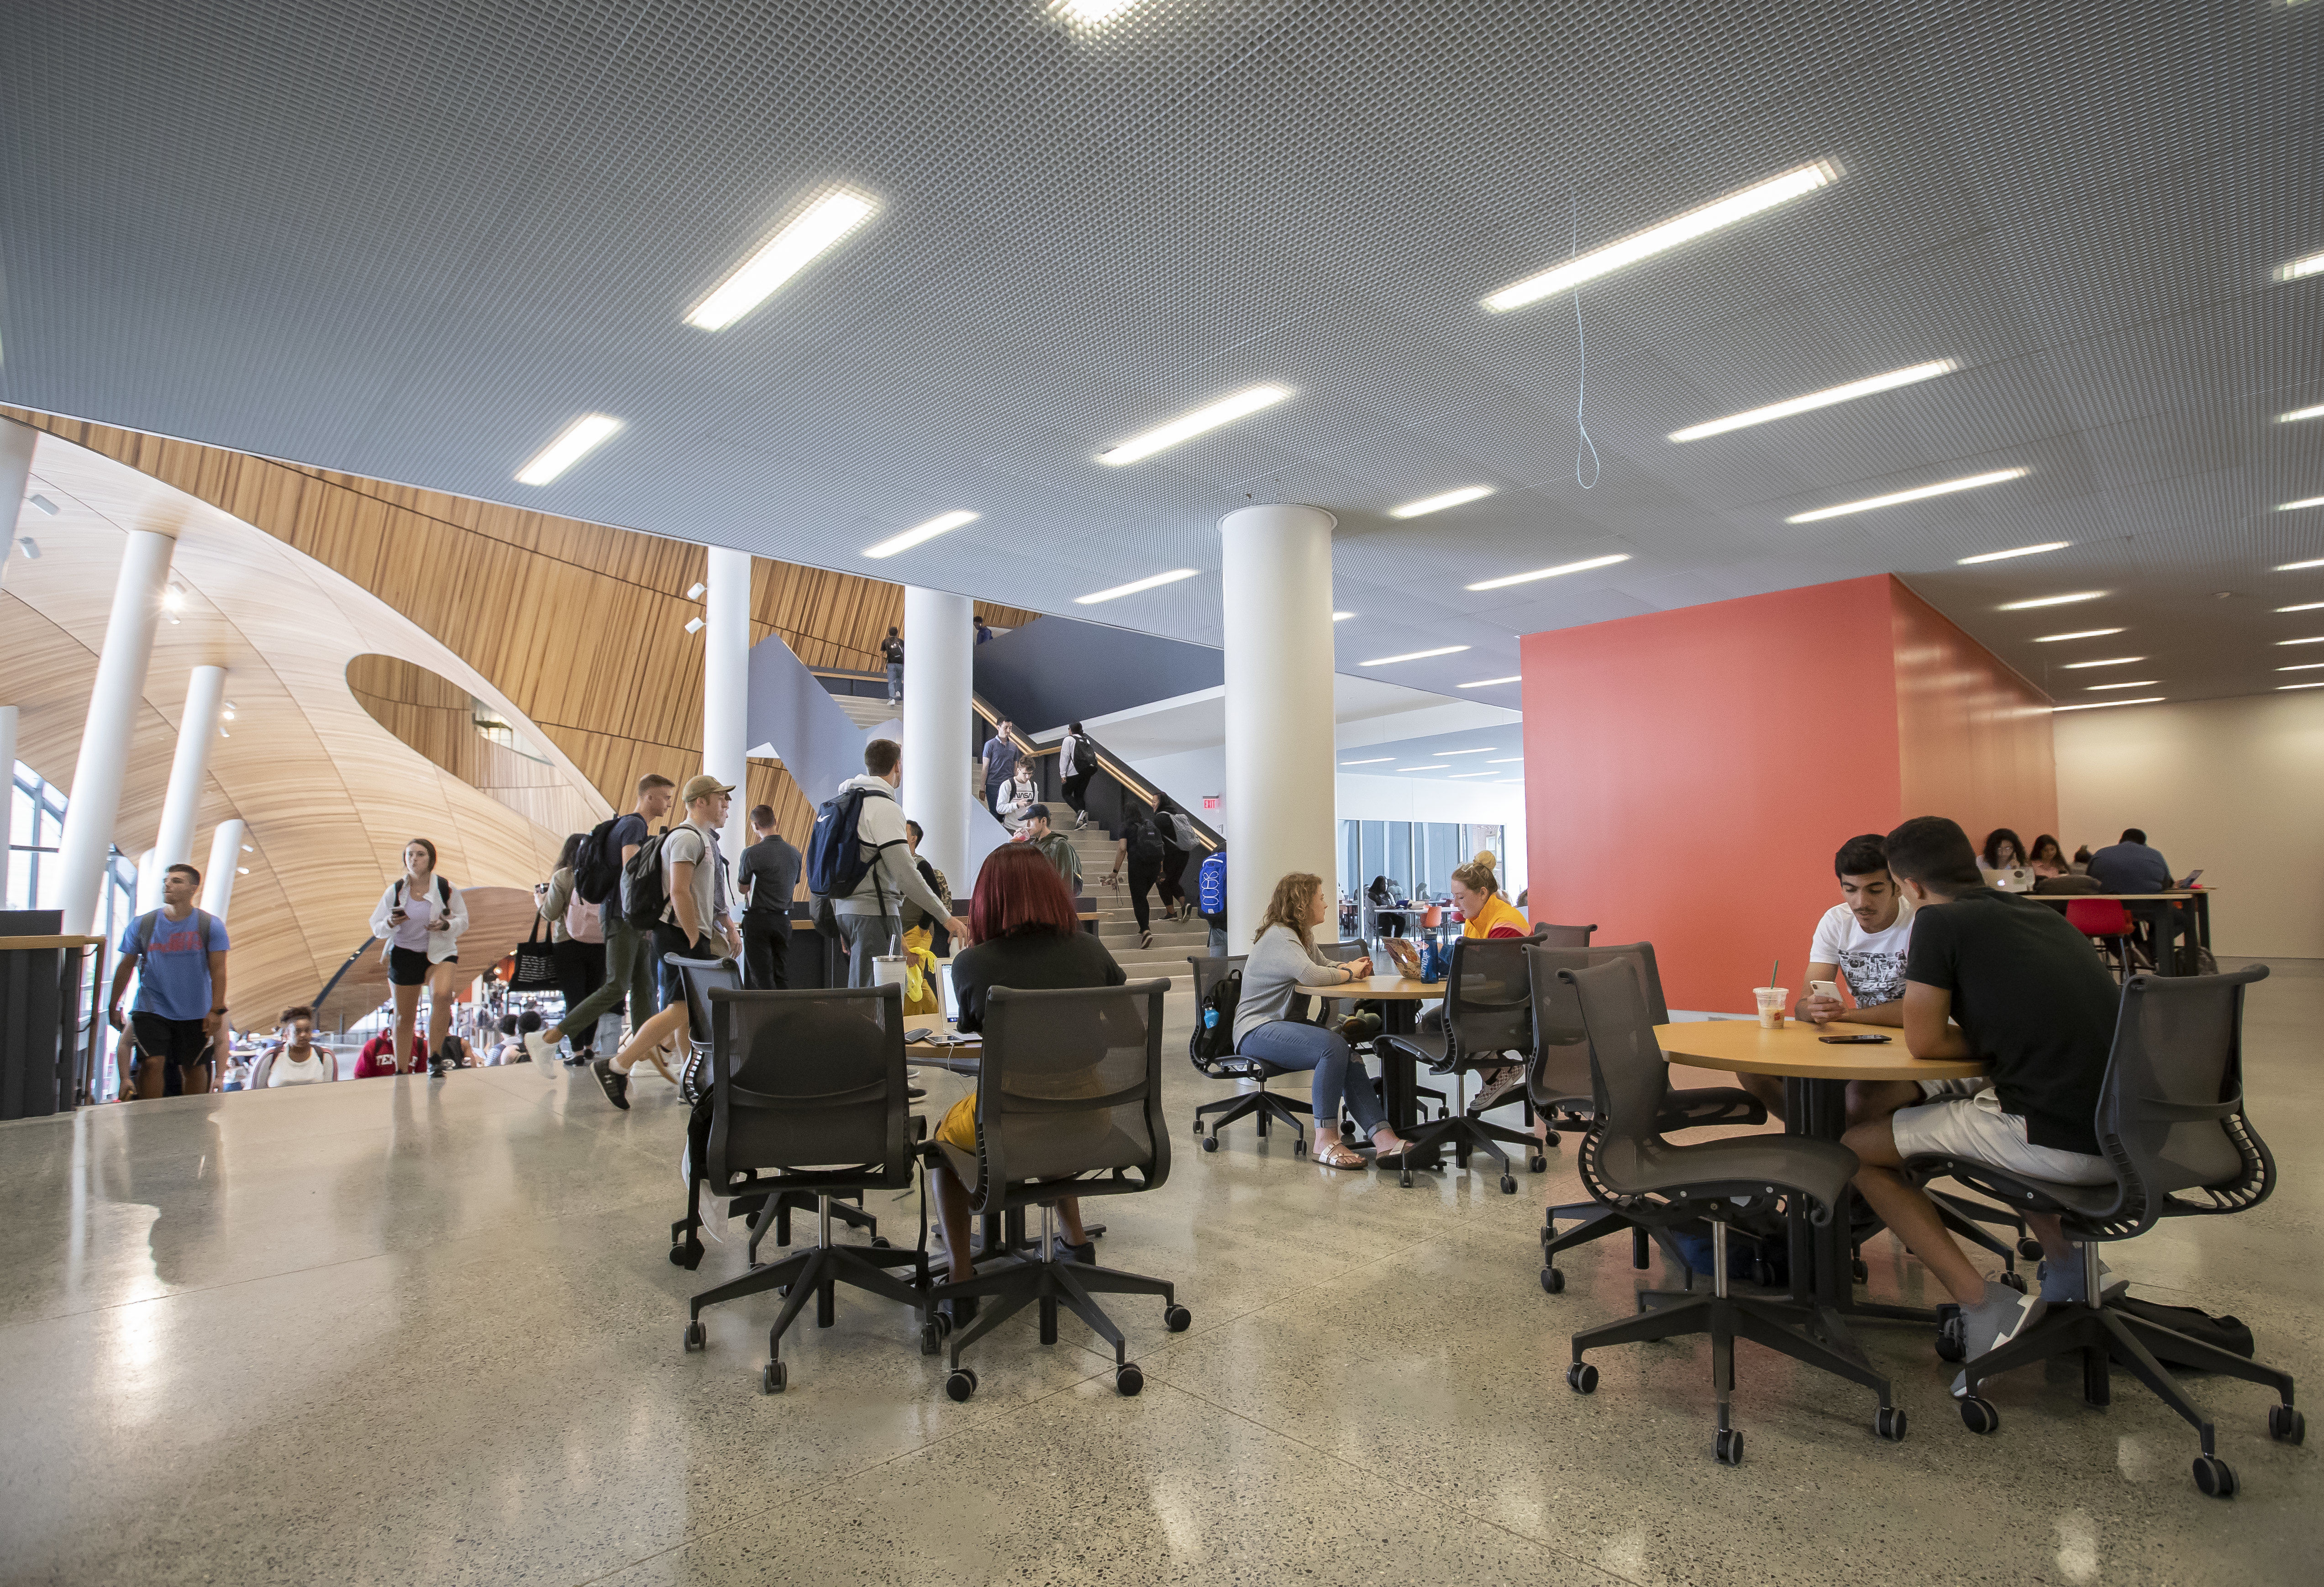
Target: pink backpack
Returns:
[[584, 921]]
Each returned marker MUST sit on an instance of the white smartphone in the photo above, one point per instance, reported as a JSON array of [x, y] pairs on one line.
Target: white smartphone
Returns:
[[1830, 989]]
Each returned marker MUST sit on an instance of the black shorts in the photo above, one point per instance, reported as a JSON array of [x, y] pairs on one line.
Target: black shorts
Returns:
[[174, 1042], [409, 967]]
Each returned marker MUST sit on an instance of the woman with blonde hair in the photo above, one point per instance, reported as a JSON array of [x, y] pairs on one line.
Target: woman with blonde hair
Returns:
[[421, 917], [1485, 913], [1284, 962]]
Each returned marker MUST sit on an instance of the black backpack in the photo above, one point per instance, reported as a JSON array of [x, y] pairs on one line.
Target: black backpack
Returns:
[[1146, 844], [1214, 1020], [597, 868], [643, 896]]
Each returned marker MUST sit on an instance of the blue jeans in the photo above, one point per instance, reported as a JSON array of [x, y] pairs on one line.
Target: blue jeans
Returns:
[[1288, 1044]]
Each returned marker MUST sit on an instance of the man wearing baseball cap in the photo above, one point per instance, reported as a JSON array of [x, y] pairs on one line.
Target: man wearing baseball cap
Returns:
[[698, 923], [1055, 847]]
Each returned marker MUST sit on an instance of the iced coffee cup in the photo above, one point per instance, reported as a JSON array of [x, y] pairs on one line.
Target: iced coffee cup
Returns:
[[1771, 1006]]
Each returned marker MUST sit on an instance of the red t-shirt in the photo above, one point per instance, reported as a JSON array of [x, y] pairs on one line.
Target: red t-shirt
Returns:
[[378, 1055]]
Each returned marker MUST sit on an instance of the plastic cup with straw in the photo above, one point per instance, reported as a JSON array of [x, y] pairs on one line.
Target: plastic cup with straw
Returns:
[[1770, 999]]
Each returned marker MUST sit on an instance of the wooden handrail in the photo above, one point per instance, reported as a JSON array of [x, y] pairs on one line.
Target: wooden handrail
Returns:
[[49, 942]]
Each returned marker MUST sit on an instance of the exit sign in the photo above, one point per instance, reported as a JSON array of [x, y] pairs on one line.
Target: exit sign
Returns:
[[1210, 801]]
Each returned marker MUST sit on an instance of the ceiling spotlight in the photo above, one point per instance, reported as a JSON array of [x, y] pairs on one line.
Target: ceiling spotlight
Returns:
[[1490, 682], [2051, 639], [249, 849], [1427, 505], [1558, 572], [2294, 417], [51, 509], [1670, 234], [1814, 400], [1922, 493], [241, 870], [693, 591], [2102, 704], [819, 226], [2050, 601], [174, 597], [942, 523], [229, 713], [1137, 587], [579, 438], [2019, 551], [694, 625], [1188, 426], [2300, 267], [1413, 656], [31, 548], [2109, 661], [2295, 506]]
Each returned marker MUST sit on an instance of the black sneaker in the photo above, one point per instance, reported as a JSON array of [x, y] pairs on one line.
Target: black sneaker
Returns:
[[616, 1083], [1084, 1253]]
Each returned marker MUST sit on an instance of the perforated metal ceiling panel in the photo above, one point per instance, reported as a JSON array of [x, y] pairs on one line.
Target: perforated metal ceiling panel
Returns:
[[413, 241]]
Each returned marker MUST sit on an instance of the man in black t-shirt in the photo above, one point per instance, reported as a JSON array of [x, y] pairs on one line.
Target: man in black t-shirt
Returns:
[[2038, 1007], [767, 876], [892, 651]]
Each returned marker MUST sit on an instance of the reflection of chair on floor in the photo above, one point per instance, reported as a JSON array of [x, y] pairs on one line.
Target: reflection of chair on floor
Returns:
[[2171, 1120], [700, 977], [807, 1096], [1068, 1102], [1559, 1086], [1625, 1161]]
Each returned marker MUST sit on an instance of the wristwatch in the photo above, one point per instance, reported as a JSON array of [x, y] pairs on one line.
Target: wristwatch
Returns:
[[219, 1010]]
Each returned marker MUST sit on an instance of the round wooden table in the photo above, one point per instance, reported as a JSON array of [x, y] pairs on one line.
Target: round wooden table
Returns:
[[1815, 1075]]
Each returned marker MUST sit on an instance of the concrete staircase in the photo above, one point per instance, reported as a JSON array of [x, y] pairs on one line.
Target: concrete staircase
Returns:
[[1117, 925], [866, 711]]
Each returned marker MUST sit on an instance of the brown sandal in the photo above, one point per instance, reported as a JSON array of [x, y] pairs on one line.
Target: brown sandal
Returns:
[[1335, 1155]]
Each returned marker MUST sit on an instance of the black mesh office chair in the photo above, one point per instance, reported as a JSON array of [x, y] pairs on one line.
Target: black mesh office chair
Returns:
[[1562, 937], [2171, 1120], [1210, 969], [1626, 1163], [1558, 1086], [700, 978], [1068, 1102], [808, 1094], [1488, 1014]]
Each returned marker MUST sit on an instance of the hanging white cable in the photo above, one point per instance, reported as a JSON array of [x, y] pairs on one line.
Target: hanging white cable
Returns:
[[1580, 375]]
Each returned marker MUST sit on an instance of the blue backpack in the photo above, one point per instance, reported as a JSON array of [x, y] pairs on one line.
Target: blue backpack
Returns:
[[1211, 889], [835, 861]]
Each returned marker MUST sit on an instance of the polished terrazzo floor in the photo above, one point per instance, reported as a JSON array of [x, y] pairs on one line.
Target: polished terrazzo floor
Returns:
[[425, 1332]]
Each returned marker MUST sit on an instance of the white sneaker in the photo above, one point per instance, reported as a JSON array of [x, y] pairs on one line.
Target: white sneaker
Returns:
[[2002, 1317], [542, 1051]]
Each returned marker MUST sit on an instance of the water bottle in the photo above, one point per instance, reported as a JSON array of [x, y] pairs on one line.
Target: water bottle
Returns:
[[1432, 960]]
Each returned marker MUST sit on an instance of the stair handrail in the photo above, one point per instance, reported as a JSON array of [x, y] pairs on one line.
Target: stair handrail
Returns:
[[1210, 837]]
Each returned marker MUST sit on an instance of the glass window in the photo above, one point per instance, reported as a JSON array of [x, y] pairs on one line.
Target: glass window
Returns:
[[1399, 855], [1374, 855], [1441, 842]]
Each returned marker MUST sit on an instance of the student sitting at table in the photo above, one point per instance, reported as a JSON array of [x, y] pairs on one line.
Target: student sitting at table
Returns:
[[2003, 851], [2131, 866], [1484, 913], [1026, 935], [2034, 1002], [1283, 963], [2047, 858]]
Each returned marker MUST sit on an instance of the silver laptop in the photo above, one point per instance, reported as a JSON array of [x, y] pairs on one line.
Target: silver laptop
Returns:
[[2017, 878]]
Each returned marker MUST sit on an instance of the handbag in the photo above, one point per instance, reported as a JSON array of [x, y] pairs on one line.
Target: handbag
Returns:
[[535, 969]]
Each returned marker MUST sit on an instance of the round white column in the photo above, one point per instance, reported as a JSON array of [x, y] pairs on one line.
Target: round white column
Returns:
[[173, 839], [726, 689], [939, 664], [7, 764], [16, 442], [112, 700], [1276, 572], [217, 876]]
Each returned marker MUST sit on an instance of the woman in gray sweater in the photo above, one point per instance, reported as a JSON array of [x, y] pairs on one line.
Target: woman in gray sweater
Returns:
[[1284, 962]]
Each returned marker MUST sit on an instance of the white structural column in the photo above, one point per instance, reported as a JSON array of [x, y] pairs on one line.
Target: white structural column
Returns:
[[726, 689], [939, 660], [173, 839], [112, 700], [1276, 571], [7, 764], [217, 876]]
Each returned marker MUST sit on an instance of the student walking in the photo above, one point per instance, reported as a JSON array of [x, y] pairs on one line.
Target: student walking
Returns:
[[577, 931], [597, 878], [1000, 756], [295, 1060], [891, 650], [421, 917], [871, 918], [1077, 760], [180, 1014], [1141, 847], [766, 878], [1178, 839]]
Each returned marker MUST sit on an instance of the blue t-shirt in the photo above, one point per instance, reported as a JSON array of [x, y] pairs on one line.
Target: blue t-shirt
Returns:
[[174, 981]]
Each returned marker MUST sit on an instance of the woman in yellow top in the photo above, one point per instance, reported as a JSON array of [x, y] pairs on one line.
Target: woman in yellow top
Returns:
[[1484, 912]]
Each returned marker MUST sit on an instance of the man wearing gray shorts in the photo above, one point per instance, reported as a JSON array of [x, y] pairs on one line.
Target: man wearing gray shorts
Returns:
[[1999, 977]]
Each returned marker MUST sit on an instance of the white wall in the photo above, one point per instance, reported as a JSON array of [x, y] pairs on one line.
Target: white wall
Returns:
[[2235, 787]]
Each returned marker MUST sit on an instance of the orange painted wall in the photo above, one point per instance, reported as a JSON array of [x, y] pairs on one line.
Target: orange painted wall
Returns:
[[1973, 737], [1689, 775]]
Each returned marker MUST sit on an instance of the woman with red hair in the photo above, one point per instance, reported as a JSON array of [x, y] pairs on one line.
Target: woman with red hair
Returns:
[[1026, 935]]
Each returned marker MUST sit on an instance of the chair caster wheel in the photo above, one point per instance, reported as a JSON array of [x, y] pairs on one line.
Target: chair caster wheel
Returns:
[[2215, 1477], [1299, 1146], [1508, 1185], [1404, 1180], [2286, 1426], [773, 1380], [1581, 1378], [1889, 1423], [2015, 1281], [1210, 1143], [1951, 1345], [932, 1333], [2030, 1248], [1553, 1282], [1128, 1380], [1764, 1275], [879, 1242], [698, 1337], [961, 1384], [1537, 1164], [1443, 1114], [1861, 1273], [1978, 1415], [1727, 1447], [1178, 1319]]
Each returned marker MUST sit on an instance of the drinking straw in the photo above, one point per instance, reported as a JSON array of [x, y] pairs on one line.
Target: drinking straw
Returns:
[[1778, 964]]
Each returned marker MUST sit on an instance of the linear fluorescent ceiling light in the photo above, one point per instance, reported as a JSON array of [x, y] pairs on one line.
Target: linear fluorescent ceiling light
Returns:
[[2303, 667], [1508, 760], [2051, 639], [1427, 505], [580, 438], [2303, 606], [1440, 766], [1342, 616], [1137, 585], [2299, 566], [2019, 551], [1558, 572], [2295, 506], [2050, 601], [1458, 775], [1091, 13], [942, 523], [1375, 761], [1920, 493], [1188, 426], [2285, 686], [2300, 267], [1486, 749], [1814, 400], [2312, 640], [822, 223], [1670, 234], [2102, 704], [2297, 414], [2141, 683], [2109, 661], [1413, 656], [1490, 682]]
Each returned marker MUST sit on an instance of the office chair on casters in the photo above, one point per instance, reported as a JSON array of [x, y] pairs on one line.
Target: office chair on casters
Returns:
[[1559, 1086], [807, 1096], [700, 977], [2171, 1120], [1210, 969], [1562, 937], [1068, 1102], [1487, 1013], [1626, 1163], [2108, 922]]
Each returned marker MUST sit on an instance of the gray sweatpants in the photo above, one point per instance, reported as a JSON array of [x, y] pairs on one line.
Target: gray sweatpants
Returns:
[[867, 937]]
